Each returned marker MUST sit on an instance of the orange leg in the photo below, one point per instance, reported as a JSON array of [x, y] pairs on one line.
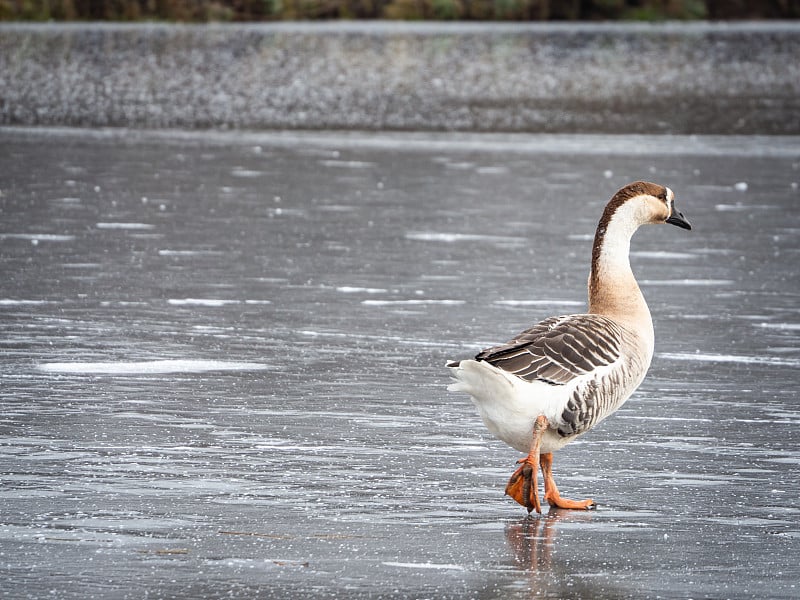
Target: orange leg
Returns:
[[551, 491], [523, 486]]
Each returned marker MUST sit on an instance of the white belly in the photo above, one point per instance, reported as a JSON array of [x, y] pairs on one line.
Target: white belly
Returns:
[[516, 429]]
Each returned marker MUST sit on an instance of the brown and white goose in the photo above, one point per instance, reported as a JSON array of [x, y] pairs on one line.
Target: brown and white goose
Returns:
[[558, 379]]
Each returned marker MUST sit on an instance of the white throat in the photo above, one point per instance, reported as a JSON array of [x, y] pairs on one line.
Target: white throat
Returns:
[[613, 291], [616, 241]]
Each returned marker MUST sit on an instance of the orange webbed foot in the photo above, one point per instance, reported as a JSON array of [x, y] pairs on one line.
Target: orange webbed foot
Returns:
[[551, 490], [523, 485], [559, 502]]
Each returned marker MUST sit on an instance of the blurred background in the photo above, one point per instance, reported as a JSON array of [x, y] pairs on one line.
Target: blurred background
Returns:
[[503, 10]]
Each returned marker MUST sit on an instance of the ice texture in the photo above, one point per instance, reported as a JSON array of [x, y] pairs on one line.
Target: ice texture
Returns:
[[245, 402]]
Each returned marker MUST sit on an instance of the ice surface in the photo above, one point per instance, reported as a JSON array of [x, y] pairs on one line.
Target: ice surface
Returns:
[[245, 403]]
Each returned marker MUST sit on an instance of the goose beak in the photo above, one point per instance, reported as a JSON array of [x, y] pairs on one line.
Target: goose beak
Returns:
[[677, 218]]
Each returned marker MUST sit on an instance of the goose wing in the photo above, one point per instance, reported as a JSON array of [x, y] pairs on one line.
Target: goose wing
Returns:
[[559, 349]]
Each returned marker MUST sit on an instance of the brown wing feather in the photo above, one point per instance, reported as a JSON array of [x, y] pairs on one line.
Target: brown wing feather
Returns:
[[558, 349]]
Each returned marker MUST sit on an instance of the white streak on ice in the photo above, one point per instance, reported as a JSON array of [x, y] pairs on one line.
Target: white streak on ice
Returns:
[[688, 282], [347, 164], [149, 367], [402, 565], [539, 303], [190, 253], [133, 226], [494, 170], [11, 302], [239, 172], [739, 207], [38, 237], [731, 358], [781, 326], [409, 302], [436, 236], [213, 302], [427, 343], [346, 289], [663, 254]]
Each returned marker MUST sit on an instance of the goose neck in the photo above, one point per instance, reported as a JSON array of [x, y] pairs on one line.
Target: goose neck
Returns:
[[613, 290]]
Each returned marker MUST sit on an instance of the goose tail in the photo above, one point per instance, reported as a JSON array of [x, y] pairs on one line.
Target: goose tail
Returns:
[[478, 379]]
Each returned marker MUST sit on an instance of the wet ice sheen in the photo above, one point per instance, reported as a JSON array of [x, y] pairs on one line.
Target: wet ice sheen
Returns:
[[250, 402]]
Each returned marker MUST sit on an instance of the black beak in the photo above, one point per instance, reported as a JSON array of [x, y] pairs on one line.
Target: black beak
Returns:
[[677, 218]]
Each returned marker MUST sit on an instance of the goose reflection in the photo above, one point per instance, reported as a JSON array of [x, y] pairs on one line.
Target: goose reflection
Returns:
[[550, 568], [533, 539]]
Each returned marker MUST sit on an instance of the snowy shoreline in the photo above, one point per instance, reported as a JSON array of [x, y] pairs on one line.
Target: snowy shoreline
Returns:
[[673, 78]]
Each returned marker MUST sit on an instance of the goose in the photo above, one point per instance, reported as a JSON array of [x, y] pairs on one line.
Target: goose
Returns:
[[554, 382]]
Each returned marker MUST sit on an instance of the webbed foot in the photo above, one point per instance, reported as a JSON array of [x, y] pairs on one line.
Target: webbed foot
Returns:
[[523, 486]]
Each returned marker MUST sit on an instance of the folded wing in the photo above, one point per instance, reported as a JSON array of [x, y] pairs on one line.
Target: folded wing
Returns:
[[559, 349]]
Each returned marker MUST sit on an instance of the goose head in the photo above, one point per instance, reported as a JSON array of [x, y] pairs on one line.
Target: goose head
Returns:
[[643, 203], [613, 290]]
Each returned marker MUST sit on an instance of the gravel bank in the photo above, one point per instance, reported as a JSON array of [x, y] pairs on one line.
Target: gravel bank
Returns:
[[631, 78]]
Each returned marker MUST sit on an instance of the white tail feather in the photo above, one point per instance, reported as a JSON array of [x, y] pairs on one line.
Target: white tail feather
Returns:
[[507, 404], [480, 380]]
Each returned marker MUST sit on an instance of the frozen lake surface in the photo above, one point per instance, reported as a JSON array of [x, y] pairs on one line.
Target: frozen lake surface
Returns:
[[223, 367]]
